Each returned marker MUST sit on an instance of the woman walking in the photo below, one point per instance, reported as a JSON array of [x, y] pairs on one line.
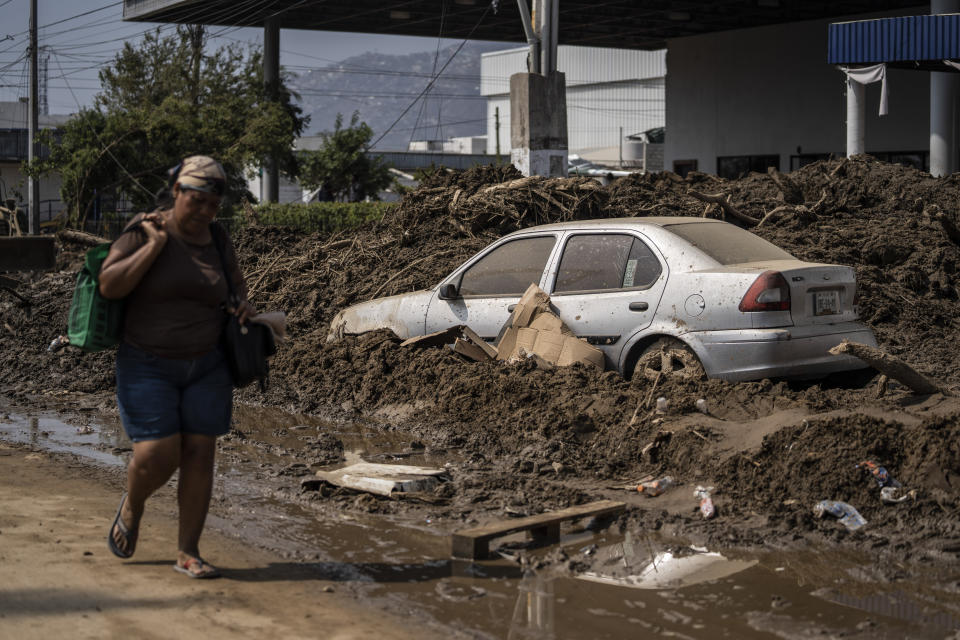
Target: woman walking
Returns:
[[174, 389]]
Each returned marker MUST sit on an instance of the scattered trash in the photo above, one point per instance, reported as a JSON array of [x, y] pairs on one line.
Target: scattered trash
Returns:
[[891, 490], [707, 509], [896, 495], [58, 343], [848, 516], [656, 487], [384, 479], [662, 404], [702, 406], [881, 475]]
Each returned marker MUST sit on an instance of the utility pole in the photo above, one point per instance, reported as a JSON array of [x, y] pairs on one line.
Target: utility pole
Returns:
[[496, 127], [33, 151], [621, 147]]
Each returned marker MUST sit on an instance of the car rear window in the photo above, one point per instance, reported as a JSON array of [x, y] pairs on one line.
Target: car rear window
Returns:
[[728, 244]]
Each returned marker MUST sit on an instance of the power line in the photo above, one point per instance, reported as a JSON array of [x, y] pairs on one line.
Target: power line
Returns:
[[431, 83]]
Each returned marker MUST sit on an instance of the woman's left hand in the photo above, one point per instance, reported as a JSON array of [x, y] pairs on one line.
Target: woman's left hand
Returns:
[[244, 311]]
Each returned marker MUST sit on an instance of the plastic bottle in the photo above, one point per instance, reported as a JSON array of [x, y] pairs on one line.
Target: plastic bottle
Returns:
[[706, 502], [848, 516], [655, 487], [662, 404]]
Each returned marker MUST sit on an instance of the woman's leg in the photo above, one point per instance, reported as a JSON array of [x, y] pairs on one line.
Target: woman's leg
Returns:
[[197, 454], [153, 463], [205, 409]]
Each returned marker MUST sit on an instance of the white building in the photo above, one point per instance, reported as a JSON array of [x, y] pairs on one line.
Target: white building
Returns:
[[611, 93], [14, 125], [771, 99]]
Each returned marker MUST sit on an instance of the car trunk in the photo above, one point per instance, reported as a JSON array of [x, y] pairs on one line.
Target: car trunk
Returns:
[[821, 293]]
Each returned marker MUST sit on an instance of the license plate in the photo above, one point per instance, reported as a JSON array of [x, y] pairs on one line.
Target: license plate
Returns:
[[826, 303]]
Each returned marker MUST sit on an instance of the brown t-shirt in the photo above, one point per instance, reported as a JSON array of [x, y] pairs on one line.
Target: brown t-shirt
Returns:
[[176, 309]]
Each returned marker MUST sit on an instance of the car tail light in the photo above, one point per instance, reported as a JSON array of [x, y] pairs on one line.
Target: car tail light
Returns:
[[769, 292]]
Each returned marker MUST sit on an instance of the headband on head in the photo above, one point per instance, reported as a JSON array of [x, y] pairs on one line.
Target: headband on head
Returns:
[[200, 173]]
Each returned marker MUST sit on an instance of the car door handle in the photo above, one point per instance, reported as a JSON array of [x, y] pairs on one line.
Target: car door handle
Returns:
[[511, 308], [639, 306]]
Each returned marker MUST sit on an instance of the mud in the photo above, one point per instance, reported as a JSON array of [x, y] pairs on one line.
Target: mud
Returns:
[[525, 440]]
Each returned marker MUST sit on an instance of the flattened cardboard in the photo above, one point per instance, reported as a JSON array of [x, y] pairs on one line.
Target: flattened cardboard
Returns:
[[577, 350], [527, 339], [533, 301], [549, 344], [472, 336], [436, 339], [470, 350], [508, 344]]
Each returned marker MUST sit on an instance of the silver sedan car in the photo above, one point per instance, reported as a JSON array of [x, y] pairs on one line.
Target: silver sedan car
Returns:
[[662, 294]]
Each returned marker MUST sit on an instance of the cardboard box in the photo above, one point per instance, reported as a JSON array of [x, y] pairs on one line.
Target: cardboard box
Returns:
[[534, 300], [549, 344], [470, 350], [526, 339], [508, 344], [576, 350]]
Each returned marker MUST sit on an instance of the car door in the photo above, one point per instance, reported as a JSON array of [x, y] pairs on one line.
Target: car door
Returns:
[[490, 284], [606, 286]]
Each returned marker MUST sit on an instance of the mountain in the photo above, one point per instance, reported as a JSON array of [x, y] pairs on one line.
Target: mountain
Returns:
[[380, 87]]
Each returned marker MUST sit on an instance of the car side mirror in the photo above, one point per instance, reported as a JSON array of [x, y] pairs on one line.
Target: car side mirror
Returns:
[[449, 291]]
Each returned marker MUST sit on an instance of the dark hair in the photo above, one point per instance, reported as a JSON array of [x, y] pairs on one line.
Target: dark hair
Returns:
[[164, 198]]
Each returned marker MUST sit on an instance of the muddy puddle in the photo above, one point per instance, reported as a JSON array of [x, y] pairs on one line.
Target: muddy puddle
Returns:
[[599, 583]]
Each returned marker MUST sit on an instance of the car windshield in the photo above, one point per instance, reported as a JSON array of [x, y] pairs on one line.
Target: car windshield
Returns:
[[728, 244]]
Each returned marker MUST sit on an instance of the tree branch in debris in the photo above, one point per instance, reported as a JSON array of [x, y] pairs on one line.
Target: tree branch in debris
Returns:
[[80, 237], [791, 193], [949, 228], [724, 203], [891, 366]]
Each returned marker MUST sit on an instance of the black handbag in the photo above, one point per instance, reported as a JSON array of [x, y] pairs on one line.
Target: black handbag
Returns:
[[246, 347]]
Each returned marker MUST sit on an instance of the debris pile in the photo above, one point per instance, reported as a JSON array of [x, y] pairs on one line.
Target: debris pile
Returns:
[[535, 438]]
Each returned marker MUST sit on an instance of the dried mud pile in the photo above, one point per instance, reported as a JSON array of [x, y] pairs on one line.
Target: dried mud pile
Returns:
[[534, 440]]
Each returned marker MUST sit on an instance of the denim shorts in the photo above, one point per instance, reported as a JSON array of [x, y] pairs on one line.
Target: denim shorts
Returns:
[[160, 397]]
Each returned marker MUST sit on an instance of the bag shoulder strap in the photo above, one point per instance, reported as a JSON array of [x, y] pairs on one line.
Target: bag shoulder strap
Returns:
[[217, 233]]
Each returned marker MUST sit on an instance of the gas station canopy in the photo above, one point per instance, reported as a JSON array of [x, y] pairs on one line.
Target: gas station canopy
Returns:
[[596, 23]]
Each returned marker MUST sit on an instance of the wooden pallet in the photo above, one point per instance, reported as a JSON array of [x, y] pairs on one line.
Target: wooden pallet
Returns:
[[474, 543]]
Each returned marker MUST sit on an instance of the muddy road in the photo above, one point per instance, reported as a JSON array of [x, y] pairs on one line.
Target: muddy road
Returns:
[[520, 441]]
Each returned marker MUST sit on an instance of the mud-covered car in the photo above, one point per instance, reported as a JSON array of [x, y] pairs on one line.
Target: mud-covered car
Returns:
[[666, 294]]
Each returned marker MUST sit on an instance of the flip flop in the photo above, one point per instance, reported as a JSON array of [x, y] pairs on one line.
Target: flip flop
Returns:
[[203, 571], [129, 535]]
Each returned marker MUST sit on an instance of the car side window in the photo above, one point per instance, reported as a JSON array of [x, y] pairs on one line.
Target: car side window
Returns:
[[596, 262], [509, 269]]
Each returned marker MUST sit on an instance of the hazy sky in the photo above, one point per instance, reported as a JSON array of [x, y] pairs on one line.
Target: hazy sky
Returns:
[[79, 44]]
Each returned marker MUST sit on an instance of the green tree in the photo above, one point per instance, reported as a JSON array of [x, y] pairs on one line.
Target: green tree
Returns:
[[341, 166], [166, 98]]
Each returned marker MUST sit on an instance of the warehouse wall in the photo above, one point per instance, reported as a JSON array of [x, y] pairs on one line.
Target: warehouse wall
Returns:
[[606, 89], [769, 91]]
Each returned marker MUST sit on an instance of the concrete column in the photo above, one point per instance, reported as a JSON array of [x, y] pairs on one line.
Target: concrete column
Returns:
[[538, 124], [944, 95], [271, 78], [856, 117], [33, 129]]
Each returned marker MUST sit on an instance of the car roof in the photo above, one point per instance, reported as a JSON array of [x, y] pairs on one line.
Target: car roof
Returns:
[[620, 223]]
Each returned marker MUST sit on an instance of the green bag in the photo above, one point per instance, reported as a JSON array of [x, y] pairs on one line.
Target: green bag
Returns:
[[95, 322]]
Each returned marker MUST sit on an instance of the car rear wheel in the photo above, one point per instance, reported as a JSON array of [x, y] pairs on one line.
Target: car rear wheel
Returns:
[[669, 357]]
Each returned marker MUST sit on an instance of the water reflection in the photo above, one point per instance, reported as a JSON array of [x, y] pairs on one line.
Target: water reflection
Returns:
[[533, 613]]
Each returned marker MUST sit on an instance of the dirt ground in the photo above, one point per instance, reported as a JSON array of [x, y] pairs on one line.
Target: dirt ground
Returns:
[[530, 440], [59, 579]]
